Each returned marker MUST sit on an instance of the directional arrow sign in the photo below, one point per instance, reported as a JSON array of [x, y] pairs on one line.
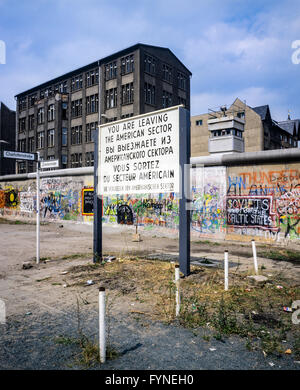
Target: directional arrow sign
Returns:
[[19, 155], [49, 164]]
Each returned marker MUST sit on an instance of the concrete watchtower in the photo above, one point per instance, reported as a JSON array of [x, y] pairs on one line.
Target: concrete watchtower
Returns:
[[226, 133]]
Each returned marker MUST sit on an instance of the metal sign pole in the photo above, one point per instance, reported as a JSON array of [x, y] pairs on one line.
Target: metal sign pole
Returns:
[[97, 250], [184, 212], [38, 208]]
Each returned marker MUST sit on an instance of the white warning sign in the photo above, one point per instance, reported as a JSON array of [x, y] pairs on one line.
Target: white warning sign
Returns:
[[140, 154]]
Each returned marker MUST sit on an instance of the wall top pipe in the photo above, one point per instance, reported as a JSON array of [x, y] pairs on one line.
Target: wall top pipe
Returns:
[[267, 156]]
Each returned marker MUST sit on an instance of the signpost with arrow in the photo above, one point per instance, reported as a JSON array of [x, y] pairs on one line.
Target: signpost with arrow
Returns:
[[31, 157]]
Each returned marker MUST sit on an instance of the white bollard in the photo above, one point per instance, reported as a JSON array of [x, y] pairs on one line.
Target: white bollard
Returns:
[[254, 256], [102, 330], [177, 278], [226, 270]]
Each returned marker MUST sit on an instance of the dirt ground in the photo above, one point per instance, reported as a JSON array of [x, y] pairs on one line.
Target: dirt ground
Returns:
[[38, 300]]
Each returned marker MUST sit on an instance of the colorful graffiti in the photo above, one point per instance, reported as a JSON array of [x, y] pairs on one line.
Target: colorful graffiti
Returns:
[[62, 202], [9, 198], [158, 210], [232, 203], [209, 193], [281, 214]]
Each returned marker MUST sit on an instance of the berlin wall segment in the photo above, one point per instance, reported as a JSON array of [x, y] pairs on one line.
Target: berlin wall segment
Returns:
[[225, 202]]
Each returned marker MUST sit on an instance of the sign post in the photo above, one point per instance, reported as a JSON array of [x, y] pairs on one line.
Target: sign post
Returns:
[[32, 157], [97, 244], [145, 154], [184, 206], [38, 208]]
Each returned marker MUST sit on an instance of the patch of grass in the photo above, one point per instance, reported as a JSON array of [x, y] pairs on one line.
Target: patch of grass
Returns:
[[76, 256], [281, 255], [207, 242], [243, 310], [65, 340]]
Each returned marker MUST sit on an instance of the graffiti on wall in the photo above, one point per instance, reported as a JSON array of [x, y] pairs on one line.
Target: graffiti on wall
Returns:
[[27, 202], [278, 216], [59, 198], [9, 198], [158, 210], [209, 198]]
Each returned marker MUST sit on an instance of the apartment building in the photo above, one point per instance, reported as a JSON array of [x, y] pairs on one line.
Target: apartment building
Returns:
[[58, 117], [7, 139], [261, 132]]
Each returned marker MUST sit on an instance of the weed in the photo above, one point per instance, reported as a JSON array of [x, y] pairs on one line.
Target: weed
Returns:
[[65, 340]]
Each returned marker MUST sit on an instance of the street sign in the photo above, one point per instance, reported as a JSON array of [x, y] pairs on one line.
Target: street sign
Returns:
[[140, 155], [19, 155], [49, 164]]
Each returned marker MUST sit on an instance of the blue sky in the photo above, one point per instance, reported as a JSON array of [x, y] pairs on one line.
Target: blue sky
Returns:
[[234, 48]]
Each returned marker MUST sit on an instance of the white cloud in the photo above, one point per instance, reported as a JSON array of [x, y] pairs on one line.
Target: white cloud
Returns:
[[254, 96]]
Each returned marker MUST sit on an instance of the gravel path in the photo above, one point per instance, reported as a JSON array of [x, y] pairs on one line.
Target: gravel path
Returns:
[[29, 342]]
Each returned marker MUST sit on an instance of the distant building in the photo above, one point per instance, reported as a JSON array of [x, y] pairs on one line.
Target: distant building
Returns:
[[58, 118], [260, 131], [7, 134]]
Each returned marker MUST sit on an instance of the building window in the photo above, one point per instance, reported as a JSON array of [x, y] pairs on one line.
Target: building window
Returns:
[[47, 92], [22, 125], [61, 87], [41, 140], [127, 115], [76, 108], [41, 115], [31, 147], [199, 122], [167, 73], [64, 136], [76, 83], [22, 145], [51, 113], [111, 98], [64, 111], [89, 159], [90, 127], [92, 103], [241, 115], [108, 120], [149, 94], [32, 99], [127, 64], [92, 77], [22, 167], [64, 161], [50, 138], [111, 71], [22, 104], [166, 99], [182, 81], [31, 122], [76, 160], [150, 64], [127, 93], [76, 135]]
